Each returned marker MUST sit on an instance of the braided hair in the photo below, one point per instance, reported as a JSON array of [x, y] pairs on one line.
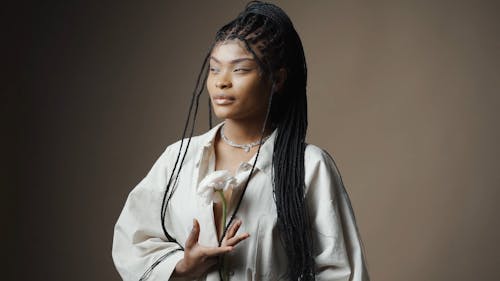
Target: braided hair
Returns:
[[269, 35]]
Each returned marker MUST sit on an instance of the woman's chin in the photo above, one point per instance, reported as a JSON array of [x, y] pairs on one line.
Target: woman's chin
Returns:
[[223, 114]]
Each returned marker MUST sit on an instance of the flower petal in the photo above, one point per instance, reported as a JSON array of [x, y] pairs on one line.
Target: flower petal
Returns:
[[241, 178], [217, 180], [213, 180]]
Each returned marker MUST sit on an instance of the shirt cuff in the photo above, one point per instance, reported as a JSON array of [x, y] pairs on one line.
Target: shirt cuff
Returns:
[[164, 270]]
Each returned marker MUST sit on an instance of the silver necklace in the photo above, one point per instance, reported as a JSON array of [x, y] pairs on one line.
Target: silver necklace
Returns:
[[246, 147]]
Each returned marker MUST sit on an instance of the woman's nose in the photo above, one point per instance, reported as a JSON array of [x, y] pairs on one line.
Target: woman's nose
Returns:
[[221, 84]]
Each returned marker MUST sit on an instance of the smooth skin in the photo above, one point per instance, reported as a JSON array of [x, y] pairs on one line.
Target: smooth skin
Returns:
[[239, 93]]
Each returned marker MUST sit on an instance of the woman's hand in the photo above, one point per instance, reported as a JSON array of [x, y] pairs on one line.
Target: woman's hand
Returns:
[[198, 259], [230, 239]]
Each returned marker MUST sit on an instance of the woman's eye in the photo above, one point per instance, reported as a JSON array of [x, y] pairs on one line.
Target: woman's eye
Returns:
[[213, 69], [241, 70]]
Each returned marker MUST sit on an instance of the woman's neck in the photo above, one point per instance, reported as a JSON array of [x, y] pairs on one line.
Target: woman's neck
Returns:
[[242, 132]]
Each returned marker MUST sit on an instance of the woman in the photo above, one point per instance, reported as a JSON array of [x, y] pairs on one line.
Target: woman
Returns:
[[288, 214]]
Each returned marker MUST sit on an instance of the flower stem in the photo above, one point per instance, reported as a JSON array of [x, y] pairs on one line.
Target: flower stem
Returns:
[[225, 275], [224, 209]]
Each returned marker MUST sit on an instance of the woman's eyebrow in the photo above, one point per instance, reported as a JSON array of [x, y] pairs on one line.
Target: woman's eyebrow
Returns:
[[233, 61]]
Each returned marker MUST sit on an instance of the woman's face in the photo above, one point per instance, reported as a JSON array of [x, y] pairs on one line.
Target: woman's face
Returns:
[[237, 88]]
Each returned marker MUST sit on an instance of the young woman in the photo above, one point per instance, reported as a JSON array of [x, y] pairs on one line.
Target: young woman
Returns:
[[249, 199]]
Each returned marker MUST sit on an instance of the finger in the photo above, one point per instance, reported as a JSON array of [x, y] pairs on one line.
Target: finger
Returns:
[[237, 239], [212, 252], [194, 235], [233, 229]]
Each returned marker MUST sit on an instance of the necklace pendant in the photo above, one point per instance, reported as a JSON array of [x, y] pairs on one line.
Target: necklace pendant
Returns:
[[246, 148]]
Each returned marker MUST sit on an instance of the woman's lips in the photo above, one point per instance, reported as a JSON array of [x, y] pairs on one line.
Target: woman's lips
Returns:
[[223, 99]]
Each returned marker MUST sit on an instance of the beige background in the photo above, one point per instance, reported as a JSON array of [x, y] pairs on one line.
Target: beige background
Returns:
[[404, 94]]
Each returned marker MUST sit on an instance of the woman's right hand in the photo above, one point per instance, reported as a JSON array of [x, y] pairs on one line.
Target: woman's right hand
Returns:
[[198, 259]]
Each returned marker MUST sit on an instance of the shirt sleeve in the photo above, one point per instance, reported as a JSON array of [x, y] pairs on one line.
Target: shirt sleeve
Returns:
[[140, 249], [338, 249]]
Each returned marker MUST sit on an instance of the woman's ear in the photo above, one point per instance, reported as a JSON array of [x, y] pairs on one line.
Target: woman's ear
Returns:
[[281, 76]]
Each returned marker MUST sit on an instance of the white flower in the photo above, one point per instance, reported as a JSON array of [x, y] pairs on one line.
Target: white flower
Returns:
[[218, 180], [241, 178]]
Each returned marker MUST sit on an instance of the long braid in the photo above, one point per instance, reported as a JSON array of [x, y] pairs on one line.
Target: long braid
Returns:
[[176, 169], [269, 31], [191, 118]]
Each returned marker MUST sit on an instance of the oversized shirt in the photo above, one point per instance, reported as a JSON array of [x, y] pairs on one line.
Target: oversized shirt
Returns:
[[141, 251]]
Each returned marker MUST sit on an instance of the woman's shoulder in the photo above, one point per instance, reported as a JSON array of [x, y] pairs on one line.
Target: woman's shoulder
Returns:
[[203, 139], [317, 159], [321, 169], [194, 144], [316, 154]]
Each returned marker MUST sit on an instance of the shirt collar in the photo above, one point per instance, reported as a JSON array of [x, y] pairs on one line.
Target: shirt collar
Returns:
[[264, 162]]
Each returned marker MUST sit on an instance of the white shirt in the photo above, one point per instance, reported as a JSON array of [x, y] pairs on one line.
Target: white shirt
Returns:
[[141, 250]]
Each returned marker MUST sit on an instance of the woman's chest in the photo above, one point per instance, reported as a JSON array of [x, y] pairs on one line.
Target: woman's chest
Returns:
[[259, 257], [249, 205]]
